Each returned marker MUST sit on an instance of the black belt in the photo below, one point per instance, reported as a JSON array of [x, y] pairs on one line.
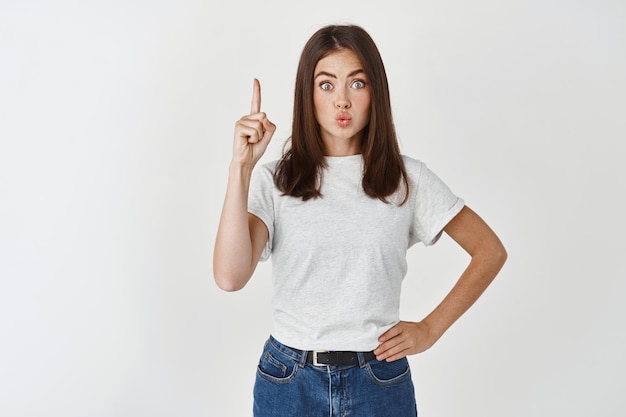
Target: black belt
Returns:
[[334, 358]]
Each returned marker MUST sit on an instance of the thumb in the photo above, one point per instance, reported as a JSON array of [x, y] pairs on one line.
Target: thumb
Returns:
[[270, 128]]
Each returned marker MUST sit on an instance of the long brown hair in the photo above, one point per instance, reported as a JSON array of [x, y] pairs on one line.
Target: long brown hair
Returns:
[[300, 170]]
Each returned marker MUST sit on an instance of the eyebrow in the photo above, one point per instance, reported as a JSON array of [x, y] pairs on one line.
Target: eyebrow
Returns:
[[328, 74]]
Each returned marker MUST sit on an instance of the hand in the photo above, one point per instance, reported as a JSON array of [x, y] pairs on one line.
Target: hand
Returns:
[[253, 132], [405, 338]]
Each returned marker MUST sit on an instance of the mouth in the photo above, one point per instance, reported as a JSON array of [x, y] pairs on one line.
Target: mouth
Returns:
[[343, 119]]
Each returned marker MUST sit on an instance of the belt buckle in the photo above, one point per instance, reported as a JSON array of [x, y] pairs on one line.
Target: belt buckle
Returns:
[[315, 352]]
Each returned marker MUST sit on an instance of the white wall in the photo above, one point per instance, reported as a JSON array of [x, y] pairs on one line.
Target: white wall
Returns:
[[116, 122]]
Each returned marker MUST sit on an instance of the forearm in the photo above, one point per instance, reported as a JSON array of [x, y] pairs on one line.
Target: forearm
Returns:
[[485, 264], [232, 255]]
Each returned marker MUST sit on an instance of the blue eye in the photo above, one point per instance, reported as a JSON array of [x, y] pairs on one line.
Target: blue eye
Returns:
[[326, 86], [358, 84]]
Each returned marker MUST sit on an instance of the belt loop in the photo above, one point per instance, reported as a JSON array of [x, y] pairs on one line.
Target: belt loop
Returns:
[[362, 361], [302, 361]]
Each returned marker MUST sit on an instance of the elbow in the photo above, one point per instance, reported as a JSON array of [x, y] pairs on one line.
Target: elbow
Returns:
[[499, 255], [227, 285], [492, 255], [228, 282]]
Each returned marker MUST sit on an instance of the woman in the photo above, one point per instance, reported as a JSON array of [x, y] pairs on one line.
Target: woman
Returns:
[[337, 213]]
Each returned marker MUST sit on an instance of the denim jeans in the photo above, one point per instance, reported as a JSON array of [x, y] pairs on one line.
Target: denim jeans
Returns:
[[287, 386]]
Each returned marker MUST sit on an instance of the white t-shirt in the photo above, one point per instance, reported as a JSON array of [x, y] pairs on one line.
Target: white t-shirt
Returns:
[[338, 261]]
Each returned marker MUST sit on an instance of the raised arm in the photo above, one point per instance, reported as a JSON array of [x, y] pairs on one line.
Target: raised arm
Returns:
[[240, 235], [487, 258]]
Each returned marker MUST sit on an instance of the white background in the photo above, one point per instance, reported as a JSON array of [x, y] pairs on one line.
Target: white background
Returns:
[[116, 121]]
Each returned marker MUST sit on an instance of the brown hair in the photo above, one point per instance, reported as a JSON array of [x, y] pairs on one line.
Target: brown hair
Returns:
[[300, 170]]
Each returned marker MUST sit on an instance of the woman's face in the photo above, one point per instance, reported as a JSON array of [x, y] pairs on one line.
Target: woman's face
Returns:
[[341, 98]]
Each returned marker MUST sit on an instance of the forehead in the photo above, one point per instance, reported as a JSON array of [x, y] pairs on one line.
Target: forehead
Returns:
[[338, 62]]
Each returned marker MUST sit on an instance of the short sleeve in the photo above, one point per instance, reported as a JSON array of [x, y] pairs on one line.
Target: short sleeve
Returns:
[[261, 201], [434, 205]]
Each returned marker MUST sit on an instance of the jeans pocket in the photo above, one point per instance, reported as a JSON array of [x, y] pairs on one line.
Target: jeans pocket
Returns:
[[388, 373], [276, 367]]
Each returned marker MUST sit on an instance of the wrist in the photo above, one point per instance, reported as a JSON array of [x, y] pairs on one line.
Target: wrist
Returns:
[[240, 169], [433, 331]]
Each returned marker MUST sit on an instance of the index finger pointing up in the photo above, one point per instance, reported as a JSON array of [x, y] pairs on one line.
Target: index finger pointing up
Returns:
[[256, 97]]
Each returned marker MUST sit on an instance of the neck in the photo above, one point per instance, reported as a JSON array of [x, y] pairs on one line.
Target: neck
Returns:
[[342, 148]]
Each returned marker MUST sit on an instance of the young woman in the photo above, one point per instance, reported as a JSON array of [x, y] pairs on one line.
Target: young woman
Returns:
[[337, 214]]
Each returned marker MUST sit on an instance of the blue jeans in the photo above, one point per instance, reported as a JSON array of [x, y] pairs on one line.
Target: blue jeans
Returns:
[[287, 386]]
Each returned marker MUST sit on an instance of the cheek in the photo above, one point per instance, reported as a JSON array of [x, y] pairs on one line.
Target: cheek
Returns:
[[363, 100], [365, 106], [318, 105]]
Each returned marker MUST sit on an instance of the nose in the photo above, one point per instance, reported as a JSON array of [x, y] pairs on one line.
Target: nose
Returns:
[[341, 100]]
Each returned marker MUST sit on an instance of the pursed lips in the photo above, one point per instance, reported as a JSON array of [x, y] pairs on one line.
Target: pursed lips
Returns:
[[343, 119]]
